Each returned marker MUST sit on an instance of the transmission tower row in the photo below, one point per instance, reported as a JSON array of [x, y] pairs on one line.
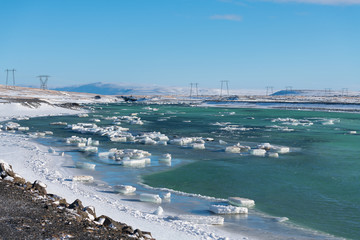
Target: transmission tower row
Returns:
[[43, 81], [269, 90], [224, 83], [196, 89], [7, 77]]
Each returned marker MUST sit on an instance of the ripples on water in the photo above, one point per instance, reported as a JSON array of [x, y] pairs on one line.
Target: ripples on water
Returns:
[[316, 185]]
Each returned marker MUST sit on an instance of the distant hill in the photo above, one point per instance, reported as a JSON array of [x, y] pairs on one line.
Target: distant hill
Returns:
[[98, 88], [127, 89], [318, 93]]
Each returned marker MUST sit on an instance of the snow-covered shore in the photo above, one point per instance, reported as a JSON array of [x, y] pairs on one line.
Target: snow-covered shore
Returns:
[[34, 161]]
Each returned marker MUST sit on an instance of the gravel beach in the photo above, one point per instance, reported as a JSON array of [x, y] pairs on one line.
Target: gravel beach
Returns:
[[28, 212]]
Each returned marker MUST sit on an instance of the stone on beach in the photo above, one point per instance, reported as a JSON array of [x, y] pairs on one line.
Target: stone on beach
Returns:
[[6, 169], [40, 187]]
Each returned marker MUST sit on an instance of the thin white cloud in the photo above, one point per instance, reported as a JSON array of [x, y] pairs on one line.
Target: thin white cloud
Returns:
[[229, 17], [321, 2], [240, 3]]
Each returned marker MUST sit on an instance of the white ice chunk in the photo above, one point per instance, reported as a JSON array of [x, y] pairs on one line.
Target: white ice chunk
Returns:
[[232, 149], [166, 197], [164, 143], [118, 139], [266, 146], [23, 128], [51, 150], [124, 189], [83, 115], [159, 211], [147, 197], [272, 154], [258, 152], [58, 123], [147, 141], [241, 202], [198, 146], [89, 149], [210, 220], [165, 157], [104, 154], [133, 162], [83, 178], [281, 149], [85, 165], [328, 122], [81, 144], [280, 219], [221, 209]]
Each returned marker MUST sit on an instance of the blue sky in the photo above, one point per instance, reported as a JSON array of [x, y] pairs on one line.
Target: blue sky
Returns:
[[312, 44]]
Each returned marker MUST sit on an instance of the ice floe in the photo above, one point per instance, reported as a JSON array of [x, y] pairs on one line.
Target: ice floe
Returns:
[[241, 202], [85, 165], [83, 178], [147, 197], [222, 209], [124, 189]]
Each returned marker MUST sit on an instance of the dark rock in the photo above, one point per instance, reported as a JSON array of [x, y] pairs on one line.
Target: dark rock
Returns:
[[104, 220], [28, 185], [77, 205], [63, 202], [142, 234], [127, 230], [19, 181], [3, 174], [6, 170], [91, 211], [40, 187]]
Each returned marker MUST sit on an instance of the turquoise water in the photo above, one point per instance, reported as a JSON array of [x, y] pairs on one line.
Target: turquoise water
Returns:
[[316, 185]]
